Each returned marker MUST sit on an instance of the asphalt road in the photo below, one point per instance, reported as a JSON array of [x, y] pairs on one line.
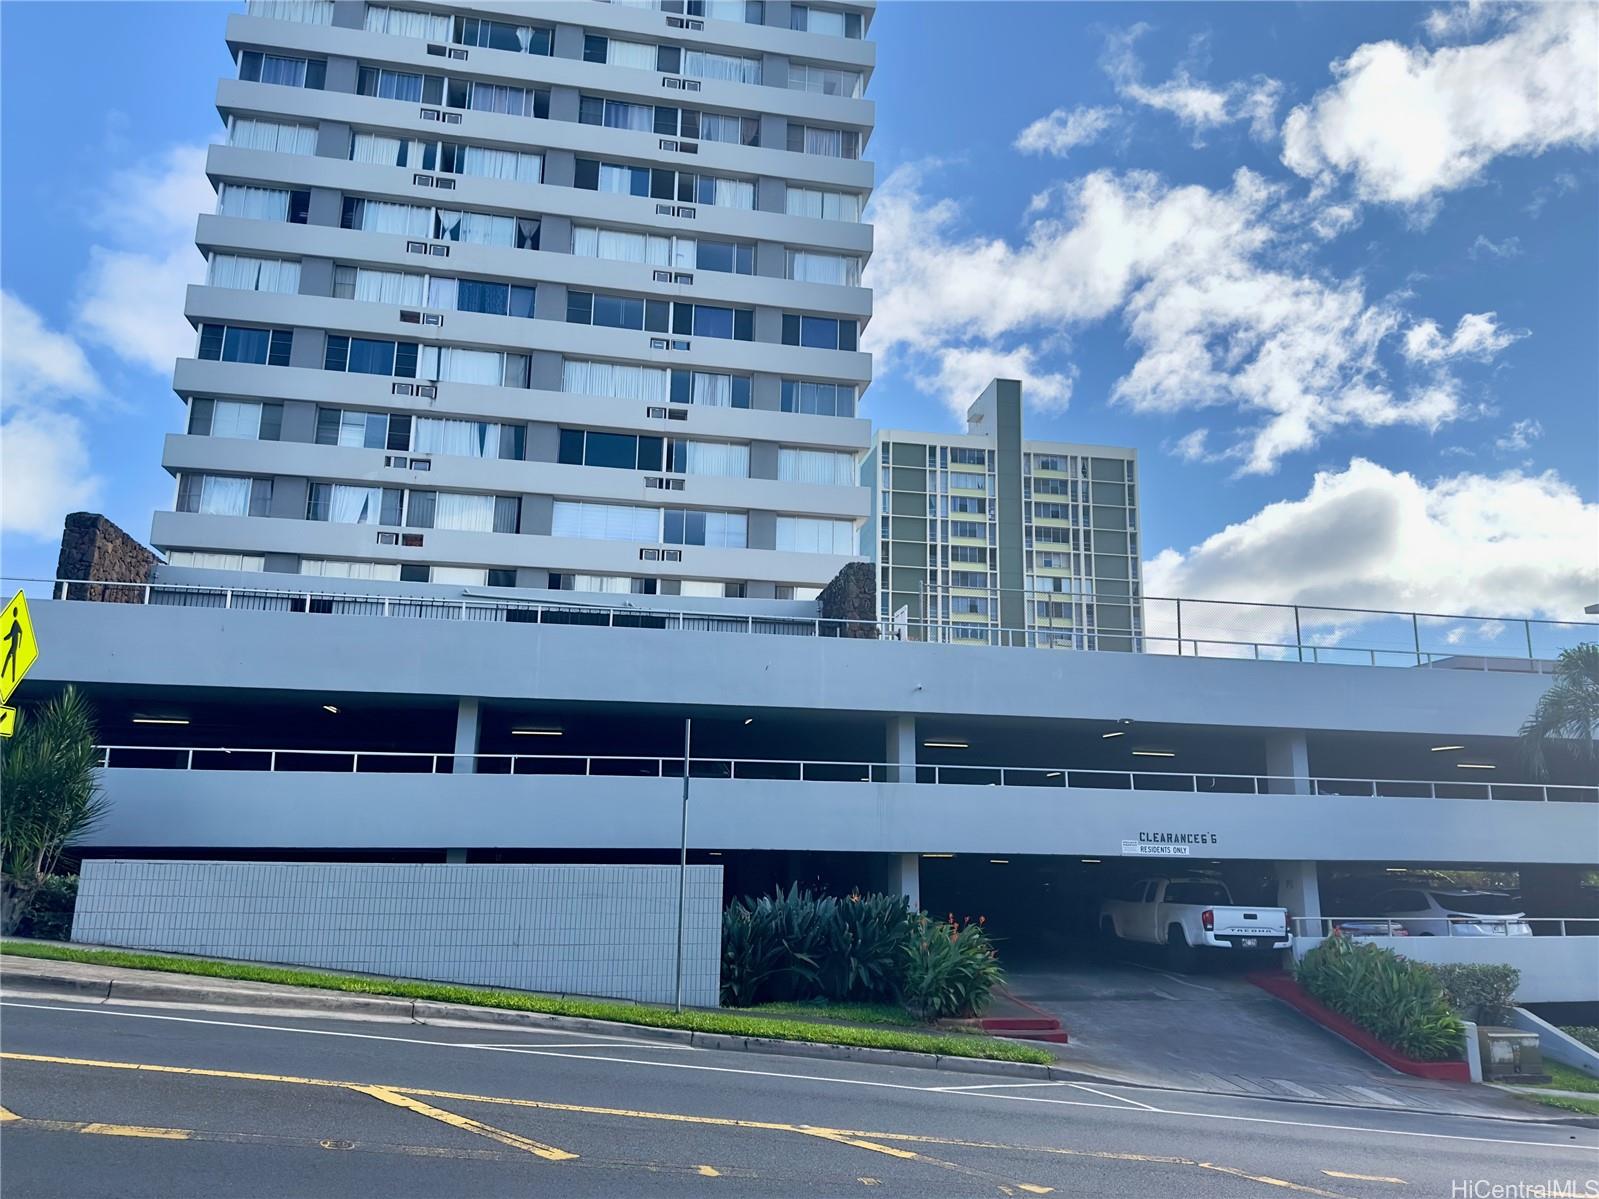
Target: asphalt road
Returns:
[[171, 1102]]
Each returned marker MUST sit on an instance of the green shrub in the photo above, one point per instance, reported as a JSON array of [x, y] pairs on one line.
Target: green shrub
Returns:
[[1585, 1033], [1483, 993], [1398, 1001], [772, 947], [49, 915], [950, 970], [863, 955]]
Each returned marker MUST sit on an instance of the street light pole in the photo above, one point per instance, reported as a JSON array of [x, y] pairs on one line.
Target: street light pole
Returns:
[[682, 860]]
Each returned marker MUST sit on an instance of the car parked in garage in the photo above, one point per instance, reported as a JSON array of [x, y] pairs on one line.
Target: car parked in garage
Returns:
[[1428, 912], [1187, 914]]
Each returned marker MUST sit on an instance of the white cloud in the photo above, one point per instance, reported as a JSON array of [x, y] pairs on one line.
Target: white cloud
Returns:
[[131, 294], [1462, 20], [1064, 130], [1210, 285], [959, 374], [1509, 248], [1408, 123], [37, 362], [1520, 437], [46, 472], [1477, 335], [1199, 105], [1366, 536], [1563, 183]]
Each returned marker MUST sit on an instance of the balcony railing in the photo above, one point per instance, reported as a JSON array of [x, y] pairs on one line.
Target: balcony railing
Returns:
[[343, 761], [1185, 627]]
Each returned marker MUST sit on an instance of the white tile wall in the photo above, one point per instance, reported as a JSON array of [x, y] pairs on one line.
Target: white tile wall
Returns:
[[586, 930]]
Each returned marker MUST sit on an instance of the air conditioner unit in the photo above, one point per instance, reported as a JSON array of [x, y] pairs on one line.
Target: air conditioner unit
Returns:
[[655, 413], [432, 318], [682, 277], [686, 212], [388, 539], [416, 247], [677, 414], [657, 343], [662, 484], [439, 251], [663, 210], [672, 81], [427, 391], [668, 144], [688, 147], [421, 464], [412, 540], [422, 180], [452, 118], [444, 184], [691, 85], [674, 23], [663, 276], [436, 51], [402, 389], [649, 555], [679, 345], [410, 318], [399, 460], [671, 555], [432, 114], [460, 55], [693, 24]]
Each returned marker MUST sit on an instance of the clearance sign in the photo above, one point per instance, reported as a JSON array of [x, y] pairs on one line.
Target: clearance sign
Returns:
[[1161, 844]]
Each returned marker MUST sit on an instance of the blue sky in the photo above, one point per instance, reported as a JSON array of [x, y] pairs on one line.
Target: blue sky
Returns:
[[1333, 269]]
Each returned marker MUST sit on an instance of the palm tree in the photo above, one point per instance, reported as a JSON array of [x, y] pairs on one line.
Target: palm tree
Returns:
[[1568, 713], [50, 797]]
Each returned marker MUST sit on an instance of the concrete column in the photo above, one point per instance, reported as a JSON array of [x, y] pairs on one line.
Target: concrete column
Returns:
[[466, 735], [1299, 890], [901, 749], [905, 878], [1288, 757]]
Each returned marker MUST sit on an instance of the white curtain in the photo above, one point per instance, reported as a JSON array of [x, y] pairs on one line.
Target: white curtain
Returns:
[[464, 576], [375, 148], [727, 530], [205, 560], [388, 287], [352, 429], [236, 418], [821, 20], [823, 80], [502, 164], [459, 438], [454, 365], [469, 513], [407, 220], [827, 206], [479, 228], [811, 267], [403, 23], [306, 12], [610, 584], [715, 127], [256, 203], [716, 458], [605, 522], [733, 193], [617, 246], [816, 466], [616, 180], [355, 505], [640, 117], [640, 55], [705, 65], [285, 72], [277, 136], [711, 391], [333, 568], [221, 496], [809, 535], [726, 10], [616, 380], [254, 274], [443, 293], [498, 97], [829, 143]]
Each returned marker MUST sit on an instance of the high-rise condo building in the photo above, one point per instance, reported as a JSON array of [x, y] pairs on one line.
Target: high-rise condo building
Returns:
[[988, 538], [560, 294]]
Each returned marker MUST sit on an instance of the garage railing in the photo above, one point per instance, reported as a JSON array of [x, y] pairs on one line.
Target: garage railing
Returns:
[[343, 761], [1442, 925]]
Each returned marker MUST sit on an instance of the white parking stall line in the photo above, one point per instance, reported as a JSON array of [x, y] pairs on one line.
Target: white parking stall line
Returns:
[[998, 1086]]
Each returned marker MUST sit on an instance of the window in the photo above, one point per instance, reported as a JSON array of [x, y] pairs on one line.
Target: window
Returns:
[[477, 295], [968, 553], [462, 512], [401, 22], [818, 332], [822, 205], [965, 481], [370, 356], [702, 64], [479, 96], [828, 467], [488, 163], [618, 380], [809, 266], [662, 183], [346, 504], [488, 368], [379, 287], [246, 420], [330, 568], [678, 253], [501, 35], [723, 530], [708, 320], [729, 128], [467, 438], [605, 522], [256, 67], [279, 275], [383, 216], [278, 136], [968, 528], [640, 56], [968, 578], [238, 343], [224, 495], [826, 81], [724, 459], [818, 399], [828, 143], [967, 456], [386, 84], [615, 114], [306, 12], [264, 203], [710, 390], [810, 535], [487, 229], [368, 430], [616, 312], [625, 451], [824, 20], [215, 560]]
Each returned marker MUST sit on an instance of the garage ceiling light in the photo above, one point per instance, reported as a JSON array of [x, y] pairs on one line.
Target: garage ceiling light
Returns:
[[999, 861], [1153, 753], [938, 855], [330, 708], [1053, 774], [749, 720], [1475, 766], [535, 732], [1108, 736], [1441, 749], [159, 720], [945, 745], [1089, 861]]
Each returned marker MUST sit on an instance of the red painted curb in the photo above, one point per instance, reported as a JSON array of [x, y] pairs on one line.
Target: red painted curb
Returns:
[[1046, 1027], [1290, 992]]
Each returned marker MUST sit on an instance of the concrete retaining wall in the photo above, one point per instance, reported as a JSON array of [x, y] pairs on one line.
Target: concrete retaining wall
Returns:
[[588, 930]]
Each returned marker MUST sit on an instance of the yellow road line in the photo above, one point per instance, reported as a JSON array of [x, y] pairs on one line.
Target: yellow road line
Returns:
[[137, 1130], [1267, 1180], [1365, 1177], [828, 1134], [707, 1171], [548, 1152], [7, 1116]]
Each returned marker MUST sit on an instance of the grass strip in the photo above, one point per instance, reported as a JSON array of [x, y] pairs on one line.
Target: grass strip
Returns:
[[845, 1013], [1586, 1107], [944, 1044], [1563, 1078]]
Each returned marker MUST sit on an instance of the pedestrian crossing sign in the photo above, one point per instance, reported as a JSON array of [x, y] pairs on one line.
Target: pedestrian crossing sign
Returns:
[[8, 721], [17, 645]]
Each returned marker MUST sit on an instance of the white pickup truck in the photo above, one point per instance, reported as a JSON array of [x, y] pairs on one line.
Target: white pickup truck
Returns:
[[1185, 914]]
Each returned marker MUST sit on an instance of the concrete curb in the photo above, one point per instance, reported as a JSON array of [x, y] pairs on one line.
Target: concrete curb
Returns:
[[422, 1011]]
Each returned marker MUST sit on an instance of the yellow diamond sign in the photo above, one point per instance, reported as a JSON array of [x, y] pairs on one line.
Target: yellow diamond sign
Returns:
[[18, 649], [8, 721]]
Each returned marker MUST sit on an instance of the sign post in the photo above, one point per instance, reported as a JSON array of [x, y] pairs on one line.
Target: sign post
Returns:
[[19, 650]]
